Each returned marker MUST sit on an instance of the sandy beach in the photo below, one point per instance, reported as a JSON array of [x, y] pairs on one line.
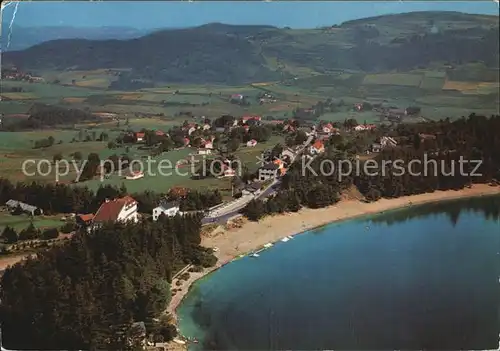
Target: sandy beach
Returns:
[[253, 235]]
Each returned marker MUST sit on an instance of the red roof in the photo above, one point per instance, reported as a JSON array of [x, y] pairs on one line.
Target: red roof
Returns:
[[110, 210], [139, 135], [318, 145], [86, 217], [159, 133], [178, 191]]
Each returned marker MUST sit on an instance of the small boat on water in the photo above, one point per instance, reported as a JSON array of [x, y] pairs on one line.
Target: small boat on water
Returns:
[[285, 239], [254, 255]]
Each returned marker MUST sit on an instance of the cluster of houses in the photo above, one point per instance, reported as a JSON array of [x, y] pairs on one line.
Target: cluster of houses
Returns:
[[391, 114], [15, 74], [106, 115], [190, 128], [139, 136], [267, 98], [322, 130]]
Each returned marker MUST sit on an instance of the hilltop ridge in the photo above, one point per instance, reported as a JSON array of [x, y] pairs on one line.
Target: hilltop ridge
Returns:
[[234, 54]]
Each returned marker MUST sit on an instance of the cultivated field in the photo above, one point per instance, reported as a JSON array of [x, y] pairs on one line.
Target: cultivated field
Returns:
[[411, 80], [432, 83]]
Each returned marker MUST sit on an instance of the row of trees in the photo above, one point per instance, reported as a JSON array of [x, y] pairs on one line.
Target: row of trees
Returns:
[[11, 236], [60, 198], [43, 116], [87, 294], [197, 201]]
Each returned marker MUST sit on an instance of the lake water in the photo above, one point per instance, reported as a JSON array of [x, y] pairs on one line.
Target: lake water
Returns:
[[419, 278]]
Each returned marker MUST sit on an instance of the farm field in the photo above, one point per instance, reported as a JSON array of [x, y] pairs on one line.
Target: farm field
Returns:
[[396, 89], [99, 78], [17, 147], [46, 90], [171, 177], [432, 83], [440, 93], [158, 123], [361, 117], [158, 182], [249, 155], [412, 80]]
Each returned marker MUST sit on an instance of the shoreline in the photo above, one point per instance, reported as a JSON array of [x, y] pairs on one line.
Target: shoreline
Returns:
[[253, 235]]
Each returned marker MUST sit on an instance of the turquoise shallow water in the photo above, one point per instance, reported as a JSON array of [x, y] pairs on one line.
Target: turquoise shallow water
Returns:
[[419, 278]]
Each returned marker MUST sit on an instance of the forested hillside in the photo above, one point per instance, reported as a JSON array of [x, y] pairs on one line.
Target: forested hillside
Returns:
[[217, 53], [87, 294]]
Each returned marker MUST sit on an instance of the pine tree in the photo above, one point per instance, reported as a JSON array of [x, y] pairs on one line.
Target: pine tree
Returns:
[[10, 235]]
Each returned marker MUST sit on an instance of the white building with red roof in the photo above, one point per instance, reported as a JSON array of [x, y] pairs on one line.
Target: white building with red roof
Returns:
[[327, 128], [118, 210], [139, 136], [245, 119]]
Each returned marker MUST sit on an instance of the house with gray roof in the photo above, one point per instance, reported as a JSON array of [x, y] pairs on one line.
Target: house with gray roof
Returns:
[[13, 205]]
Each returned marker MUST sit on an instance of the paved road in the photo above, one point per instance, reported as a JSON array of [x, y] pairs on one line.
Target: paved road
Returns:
[[223, 213], [236, 209]]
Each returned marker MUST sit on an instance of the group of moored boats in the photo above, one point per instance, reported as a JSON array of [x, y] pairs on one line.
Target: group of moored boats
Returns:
[[268, 245]]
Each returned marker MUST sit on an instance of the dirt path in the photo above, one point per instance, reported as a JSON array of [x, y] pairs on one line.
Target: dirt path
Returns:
[[10, 260]]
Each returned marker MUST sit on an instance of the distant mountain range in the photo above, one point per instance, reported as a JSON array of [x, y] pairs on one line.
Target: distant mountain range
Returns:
[[219, 53], [25, 37]]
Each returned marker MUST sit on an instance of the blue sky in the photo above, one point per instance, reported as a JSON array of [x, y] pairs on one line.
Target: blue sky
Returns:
[[144, 15]]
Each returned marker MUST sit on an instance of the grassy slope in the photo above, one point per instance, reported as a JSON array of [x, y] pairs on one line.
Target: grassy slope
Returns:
[[20, 222]]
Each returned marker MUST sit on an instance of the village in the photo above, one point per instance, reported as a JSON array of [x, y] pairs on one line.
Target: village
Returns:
[[204, 141]]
